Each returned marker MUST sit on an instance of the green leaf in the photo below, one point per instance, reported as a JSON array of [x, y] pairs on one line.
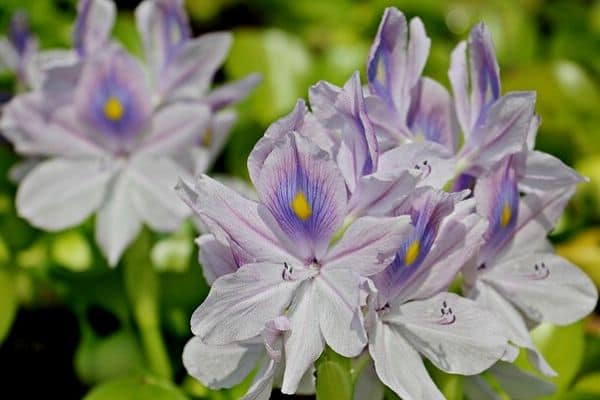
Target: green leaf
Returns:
[[139, 388], [8, 303], [333, 381], [71, 250], [589, 384]]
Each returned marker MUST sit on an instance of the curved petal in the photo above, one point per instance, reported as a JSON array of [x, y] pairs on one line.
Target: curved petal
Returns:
[[520, 384], [190, 73], [304, 191], [233, 92], [175, 128], [369, 245], [215, 258], [234, 219], [368, 386], [164, 29], [545, 287], [239, 304], [405, 375], [153, 192], [221, 366], [262, 384], [60, 193], [453, 332], [431, 115], [544, 172], [396, 59], [94, 22], [304, 343], [117, 222]]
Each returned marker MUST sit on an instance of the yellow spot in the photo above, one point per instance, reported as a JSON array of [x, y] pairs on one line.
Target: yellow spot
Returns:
[[412, 252], [207, 139], [113, 109], [301, 207], [380, 75], [506, 215]]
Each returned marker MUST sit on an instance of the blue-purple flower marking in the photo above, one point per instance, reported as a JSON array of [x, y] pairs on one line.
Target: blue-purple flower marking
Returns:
[[18, 32], [176, 30]]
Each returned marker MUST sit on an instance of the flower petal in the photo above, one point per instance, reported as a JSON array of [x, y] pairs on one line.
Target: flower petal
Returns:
[[233, 92], [262, 384], [153, 188], [544, 172], [60, 193], [234, 219], [452, 332], [221, 366], [520, 384], [215, 258], [95, 20], [304, 343], [305, 193], [175, 128], [545, 287], [369, 245], [397, 58], [117, 222], [405, 375], [239, 304]]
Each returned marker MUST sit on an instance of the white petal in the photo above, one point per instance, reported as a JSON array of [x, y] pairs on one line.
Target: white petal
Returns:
[[117, 223], [221, 366], [399, 365], [369, 245], [304, 342], [453, 332], [60, 193], [215, 258], [262, 384], [368, 386], [545, 287], [153, 192], [239, 304], [477, 388], [519, 384], [544, 172]]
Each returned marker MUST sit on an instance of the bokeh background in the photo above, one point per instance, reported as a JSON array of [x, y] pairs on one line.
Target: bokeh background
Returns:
[[71, 327]]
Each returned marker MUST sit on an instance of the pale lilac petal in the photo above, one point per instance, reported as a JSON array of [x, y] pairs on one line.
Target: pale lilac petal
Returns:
[[153, 192], [368, 386], [175, 128], [459, 80], [390, 129], [397, 58], [305, 193], [117, 222], [490, 299], [113, 97], [262, 384], [239, 304], [9, 58], [544, 172], [369, 245], [431, 161], [545, 287], [93, 26], [61, 193], [193, 67], [520, 384], [340, 320], [231, 93], [380, 193], [215, 258], [453, 332], [221, 366], [399, 365], [304, 343], [57, 73], [34, 132], [532, 132], [164, 29], [476, 387], [501, 133], [235, 219], [431, 115]]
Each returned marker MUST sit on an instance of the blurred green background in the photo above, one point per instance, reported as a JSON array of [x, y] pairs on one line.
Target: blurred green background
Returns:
[[69, 324]]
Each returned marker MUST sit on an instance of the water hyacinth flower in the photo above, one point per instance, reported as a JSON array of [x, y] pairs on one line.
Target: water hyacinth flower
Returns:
[[517, 275], [288, 267], [108, 145], [410, 312], [18, 50]]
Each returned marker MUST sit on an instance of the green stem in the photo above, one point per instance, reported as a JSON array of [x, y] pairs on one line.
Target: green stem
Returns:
[[142, 286]]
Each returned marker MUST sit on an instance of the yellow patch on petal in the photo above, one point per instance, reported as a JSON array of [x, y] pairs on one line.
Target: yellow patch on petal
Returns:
[[380, 75], [301, 207], [506, 215], [113, 109], [412, 252]]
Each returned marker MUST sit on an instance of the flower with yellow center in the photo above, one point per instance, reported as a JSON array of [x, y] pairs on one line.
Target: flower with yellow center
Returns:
[[113, 109], [301, 207]]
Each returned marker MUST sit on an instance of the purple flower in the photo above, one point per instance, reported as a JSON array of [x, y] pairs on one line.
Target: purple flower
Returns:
[[19, 49], [282, 245]]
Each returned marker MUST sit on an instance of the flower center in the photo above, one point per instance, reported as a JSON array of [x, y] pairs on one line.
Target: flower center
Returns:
[[412, 252], [506, 215], [301, 207], [113, 109]]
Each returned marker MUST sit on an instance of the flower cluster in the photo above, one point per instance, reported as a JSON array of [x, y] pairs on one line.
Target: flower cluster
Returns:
[[104, 131], [369, 206]]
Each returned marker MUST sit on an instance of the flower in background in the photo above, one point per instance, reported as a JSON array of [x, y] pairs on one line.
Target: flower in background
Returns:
[[114, 141], [18, 50]]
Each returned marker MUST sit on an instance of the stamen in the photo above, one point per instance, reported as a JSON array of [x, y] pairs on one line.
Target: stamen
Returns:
[[113, 109], [301, 207]]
